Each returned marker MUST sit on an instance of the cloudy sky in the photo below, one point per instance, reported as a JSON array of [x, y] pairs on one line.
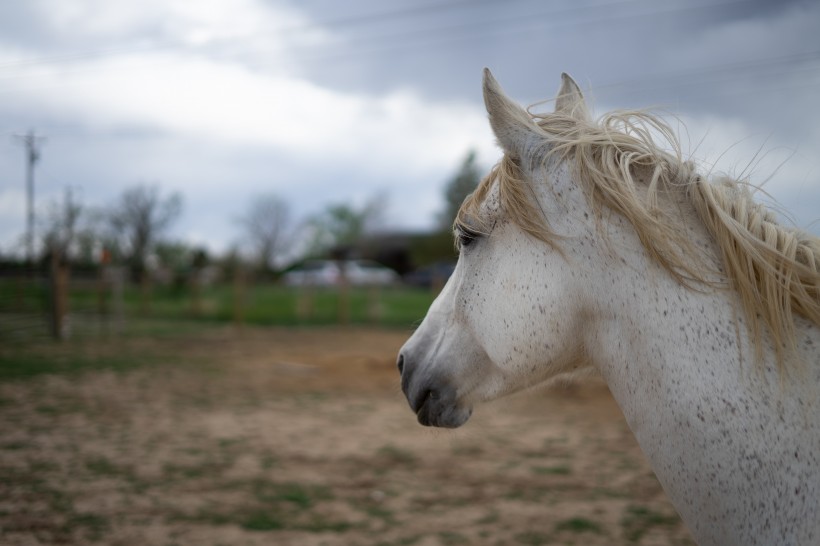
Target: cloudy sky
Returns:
[[322, 102]]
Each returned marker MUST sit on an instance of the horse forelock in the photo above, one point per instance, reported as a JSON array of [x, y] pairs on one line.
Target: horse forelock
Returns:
[[620, 165]]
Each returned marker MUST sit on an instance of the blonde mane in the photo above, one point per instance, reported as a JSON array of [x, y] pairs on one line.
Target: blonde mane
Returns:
[[620, 166]]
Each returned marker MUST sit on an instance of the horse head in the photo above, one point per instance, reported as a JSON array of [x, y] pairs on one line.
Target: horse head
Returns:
[[513, 312]]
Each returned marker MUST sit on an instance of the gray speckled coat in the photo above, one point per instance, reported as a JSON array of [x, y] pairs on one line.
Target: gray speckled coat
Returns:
[[736, 446]]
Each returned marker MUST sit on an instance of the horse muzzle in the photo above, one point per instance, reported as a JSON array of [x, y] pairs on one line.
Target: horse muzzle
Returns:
[[432, 398]]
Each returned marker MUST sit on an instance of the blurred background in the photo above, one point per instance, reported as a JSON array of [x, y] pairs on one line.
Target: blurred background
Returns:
[[264, 189], [187, 148]]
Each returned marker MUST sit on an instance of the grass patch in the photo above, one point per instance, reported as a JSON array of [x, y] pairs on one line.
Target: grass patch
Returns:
[[532, 493], [491, 518], [320, 525], [95, 525], [404, 541], [561, 470], [263, 521], [268, 460], [195, 471], [271, 304], [607, 493], [533, 538], [22, 364], [102, 467], [63, 519], [380, 513], [14, 446], [268, 520], [639, 519], [468, 450], [392, 455], [451, 538], [272, 507], [299, 495], [578, 525]]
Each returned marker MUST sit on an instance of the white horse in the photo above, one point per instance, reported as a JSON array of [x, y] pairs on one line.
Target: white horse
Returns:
[[589, 248]]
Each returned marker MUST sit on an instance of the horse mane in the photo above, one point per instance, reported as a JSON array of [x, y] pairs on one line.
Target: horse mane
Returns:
[[774, 268]]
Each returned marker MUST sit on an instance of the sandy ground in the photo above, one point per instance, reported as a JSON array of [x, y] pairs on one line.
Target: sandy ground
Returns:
[[302, 437]]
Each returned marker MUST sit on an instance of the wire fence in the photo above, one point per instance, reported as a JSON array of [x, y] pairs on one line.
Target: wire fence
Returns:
[[41, 305], [57, 304]]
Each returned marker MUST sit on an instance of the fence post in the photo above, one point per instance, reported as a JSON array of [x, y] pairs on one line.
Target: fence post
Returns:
[[344, 295], [375, 308], [238, 292], [117, 278], [59, 296], [304, 302], [145, 292], [196, 292], [103, 281]]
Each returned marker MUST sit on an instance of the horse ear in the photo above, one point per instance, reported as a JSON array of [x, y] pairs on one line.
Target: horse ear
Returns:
[[570, 101], [513, 127]]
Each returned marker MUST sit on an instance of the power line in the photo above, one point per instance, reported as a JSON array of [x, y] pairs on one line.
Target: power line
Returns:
[[340, 22], [421, 38], [538, 19], [513, 23], [771, 66]]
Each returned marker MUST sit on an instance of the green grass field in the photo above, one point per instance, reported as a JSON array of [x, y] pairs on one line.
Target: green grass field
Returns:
[[256, 304]]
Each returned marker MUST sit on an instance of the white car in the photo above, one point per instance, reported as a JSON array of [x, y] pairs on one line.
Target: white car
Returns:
[[329, 273]]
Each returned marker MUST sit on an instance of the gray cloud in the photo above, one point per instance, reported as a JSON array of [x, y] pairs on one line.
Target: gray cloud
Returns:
[[732, 69]]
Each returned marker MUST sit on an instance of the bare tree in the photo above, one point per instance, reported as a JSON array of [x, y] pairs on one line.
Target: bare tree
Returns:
[[61, 227], [266, 226], [138, 220]]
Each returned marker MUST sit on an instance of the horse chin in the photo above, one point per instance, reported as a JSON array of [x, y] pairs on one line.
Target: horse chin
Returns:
[[435, 413]]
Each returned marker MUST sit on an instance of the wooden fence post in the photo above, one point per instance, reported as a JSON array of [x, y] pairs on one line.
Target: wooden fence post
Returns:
[[59, 296], [196, 292], [239, 289], [304, 302], [344, 296], [375, 308]]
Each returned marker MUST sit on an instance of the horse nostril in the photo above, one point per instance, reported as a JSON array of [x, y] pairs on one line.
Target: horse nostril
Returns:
[[400, 363], [421, 399]]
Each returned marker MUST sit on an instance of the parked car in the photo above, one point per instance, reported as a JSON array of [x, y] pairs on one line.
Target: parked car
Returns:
[[435, 274], [368, 272], [313, 273], [329, 273]]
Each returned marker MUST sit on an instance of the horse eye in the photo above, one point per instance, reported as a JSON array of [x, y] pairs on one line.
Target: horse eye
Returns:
[[466, 236]]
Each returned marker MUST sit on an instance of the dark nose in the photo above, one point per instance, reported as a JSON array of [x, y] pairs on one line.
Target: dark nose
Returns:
[[418, 396], [406, 369]]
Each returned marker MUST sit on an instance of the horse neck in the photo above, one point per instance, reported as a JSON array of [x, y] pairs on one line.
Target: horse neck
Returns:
[[651, 320], [683, 371]]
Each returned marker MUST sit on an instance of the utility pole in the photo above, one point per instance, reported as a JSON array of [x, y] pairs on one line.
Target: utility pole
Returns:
[[30, 141]]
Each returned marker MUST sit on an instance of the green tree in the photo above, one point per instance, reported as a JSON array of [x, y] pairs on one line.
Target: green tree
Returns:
[[341, 226], [462, 184]]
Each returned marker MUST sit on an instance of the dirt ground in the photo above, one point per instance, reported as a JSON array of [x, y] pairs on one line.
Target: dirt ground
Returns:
[[302, 437]]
